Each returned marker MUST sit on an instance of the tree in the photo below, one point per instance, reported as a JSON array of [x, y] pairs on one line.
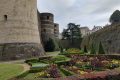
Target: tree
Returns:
[[115, 17], [72, 33], [50, 46], [85, 49], [101, 50], [92, 50]]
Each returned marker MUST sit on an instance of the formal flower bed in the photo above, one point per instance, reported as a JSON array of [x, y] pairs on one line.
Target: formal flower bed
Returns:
[[72, 51], [77, 66]]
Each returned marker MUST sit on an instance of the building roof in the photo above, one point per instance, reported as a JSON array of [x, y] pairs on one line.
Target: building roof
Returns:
[[84, 28], [96, 27]]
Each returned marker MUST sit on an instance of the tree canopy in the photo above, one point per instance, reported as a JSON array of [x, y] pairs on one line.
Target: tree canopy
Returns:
[[115, 17], [72, 32]]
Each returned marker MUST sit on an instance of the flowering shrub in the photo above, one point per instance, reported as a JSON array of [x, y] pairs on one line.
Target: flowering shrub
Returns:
[[42, 74], [74, 51], [53, 71]]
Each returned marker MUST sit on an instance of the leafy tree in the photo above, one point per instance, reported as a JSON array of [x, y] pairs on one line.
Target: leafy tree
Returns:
[[50, 46], [115, 17], [72, 32], [92, 50], [85, 49], [101, 50]]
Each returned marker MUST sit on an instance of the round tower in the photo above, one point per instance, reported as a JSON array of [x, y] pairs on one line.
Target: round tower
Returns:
[[56, 30], [19, 34], [47, 26]]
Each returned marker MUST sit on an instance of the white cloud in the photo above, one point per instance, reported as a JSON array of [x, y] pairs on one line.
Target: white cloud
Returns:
[[84, 12]]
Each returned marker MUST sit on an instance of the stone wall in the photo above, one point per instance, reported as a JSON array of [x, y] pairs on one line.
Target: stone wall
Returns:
[[109, 36], [56, 30], [21, 24], [47, 26], [14, 51], [19, 29]]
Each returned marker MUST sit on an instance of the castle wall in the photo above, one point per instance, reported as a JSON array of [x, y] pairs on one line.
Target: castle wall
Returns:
[[109, 36], [19, 29]]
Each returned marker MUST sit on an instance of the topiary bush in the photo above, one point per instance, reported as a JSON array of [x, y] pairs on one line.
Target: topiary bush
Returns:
[[85, 49], [92, 50], [101, 50]]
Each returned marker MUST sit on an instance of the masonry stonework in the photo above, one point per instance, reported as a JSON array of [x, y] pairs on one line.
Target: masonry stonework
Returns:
[[56, 30], [109, 36], [47, 26], [19, 34]]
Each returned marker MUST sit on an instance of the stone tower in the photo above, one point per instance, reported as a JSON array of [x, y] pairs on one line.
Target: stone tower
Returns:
[[47, 26], [56, 30], [19, 34]]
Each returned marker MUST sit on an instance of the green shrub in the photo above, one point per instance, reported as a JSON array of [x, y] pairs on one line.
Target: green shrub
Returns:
[[23, 74], [37, 67], [50, 46], [101, 50], [60, 58], [92, 50], [30, 61], [85, 49], [45, 61], [61, 49], [66, 72]]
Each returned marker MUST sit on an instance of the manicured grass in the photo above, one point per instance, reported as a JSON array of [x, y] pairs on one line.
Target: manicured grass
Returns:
[[8, 70]]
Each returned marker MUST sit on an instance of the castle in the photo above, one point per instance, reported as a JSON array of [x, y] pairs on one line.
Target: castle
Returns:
[[21, 27]]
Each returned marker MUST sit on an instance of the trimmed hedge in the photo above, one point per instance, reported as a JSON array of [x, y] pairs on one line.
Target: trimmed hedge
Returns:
[[66, 72], [60, 59], [38, 67], [35, 60]]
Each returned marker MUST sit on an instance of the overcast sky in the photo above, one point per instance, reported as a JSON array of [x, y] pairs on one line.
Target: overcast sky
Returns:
[[83, 12]]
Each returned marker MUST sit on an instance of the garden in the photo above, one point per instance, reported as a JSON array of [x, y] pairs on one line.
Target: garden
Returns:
[[73, 64]]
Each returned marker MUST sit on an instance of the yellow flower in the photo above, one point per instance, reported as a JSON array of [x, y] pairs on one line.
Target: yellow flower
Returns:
[[48, 75], [74, 67], [83, 72], [115, 61]]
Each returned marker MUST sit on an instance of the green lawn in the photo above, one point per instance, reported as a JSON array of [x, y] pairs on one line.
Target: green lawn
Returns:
[[8, 70]]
